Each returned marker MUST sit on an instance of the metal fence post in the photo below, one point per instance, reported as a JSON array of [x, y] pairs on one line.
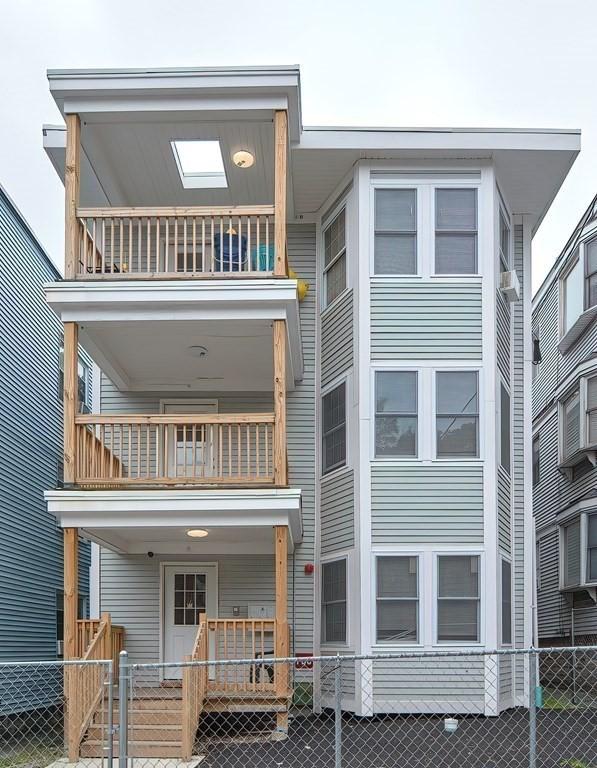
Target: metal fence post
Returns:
[[532, 709], [338, 713], [110, 718], [123, 707]]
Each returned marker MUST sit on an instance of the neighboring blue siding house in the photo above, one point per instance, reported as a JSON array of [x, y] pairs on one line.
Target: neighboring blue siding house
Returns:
[[30, 451]]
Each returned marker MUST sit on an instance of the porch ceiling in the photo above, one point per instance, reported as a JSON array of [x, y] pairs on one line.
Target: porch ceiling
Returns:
[[137, 522]]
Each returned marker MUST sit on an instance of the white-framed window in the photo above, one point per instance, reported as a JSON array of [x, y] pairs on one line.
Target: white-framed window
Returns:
[[536, 461], [333, 601], [396, 414], [505, 258], [506, 602], [458, 599], [570, 420], [577, 423], [456, 231], [590, 249], [334, 257], [578, 551], [395, 236], [333, 435], [397, 599], [572, 293], [570, 533], [578, 283], [457, 414], [505, 432]]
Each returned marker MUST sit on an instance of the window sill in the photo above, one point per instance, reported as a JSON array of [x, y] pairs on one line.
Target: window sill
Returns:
[[567, 465], [333, 472], [590, 589], [582, 323]]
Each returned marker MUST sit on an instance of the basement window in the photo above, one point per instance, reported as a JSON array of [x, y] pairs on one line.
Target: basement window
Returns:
[[200, 164]]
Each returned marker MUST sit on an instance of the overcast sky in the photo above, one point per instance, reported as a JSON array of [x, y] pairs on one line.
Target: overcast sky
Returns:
[[513, 63]]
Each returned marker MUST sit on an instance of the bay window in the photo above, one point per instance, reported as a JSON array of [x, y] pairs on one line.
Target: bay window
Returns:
[[578, 286], [590, 273], [571, 425], [578, 551]]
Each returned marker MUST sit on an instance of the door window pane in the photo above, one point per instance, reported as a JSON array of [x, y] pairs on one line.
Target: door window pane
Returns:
[[395, 249], [455, 231], [457, 414], [189, 598], [458, 598], [396, 413], [334, 428], [397, 604], [333, 602]]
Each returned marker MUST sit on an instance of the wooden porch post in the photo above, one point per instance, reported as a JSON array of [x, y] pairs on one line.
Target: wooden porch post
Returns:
[[71, 603], [280, 462], [71, 191], [280, 172], [281, 650], [71, 399]]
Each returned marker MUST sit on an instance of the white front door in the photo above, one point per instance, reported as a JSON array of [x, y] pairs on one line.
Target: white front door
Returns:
[[189, 591], [188, 451]]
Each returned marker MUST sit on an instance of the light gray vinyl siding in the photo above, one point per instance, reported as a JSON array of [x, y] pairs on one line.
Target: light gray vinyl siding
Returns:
[[429, 685], [553, 612], [428, 321], [546, 325], [505, 680], [337, 338], [337, 511], [504, 511], [131, 592], [350, 675], [30, 452], [301, 450], [426, 504]]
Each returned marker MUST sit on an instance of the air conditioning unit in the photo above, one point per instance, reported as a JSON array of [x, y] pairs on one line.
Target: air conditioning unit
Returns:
[[509, 285]]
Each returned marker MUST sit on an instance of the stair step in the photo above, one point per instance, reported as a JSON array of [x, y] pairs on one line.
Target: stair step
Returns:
[[244, 705], [95, 748], [156, 703], [144, 717], [142, 733]]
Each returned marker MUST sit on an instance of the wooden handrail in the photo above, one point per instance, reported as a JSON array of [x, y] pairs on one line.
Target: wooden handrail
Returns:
[[164, 418], [197, 210], [243, 639], [194, 690]]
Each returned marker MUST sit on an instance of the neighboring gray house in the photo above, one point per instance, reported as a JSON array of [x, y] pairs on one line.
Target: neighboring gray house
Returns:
[[398, 391], [565, 441], [30, 456]]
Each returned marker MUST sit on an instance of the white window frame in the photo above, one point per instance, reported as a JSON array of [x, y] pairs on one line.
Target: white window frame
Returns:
[[584, 582], [536, 438], [325, 223], [578, 254], [459, 553], [464, 369], [502, 383], [585, 449], [504, 559], [421, 562], [425, 185], [411, 369], [326, 391], [334, 558]]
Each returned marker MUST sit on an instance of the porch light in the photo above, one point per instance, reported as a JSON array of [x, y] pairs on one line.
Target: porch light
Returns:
[[197, 533], [243, 158]]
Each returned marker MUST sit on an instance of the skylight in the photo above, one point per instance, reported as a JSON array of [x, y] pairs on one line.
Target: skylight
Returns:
[[200, 163]]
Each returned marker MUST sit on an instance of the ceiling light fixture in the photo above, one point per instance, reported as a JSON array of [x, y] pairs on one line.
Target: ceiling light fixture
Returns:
[[243, 158], [197, 533]]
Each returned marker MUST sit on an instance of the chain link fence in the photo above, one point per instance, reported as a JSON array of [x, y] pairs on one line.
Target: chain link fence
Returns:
[[505, 709]]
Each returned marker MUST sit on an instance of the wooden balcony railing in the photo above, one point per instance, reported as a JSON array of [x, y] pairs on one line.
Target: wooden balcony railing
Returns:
[[209, 449], [176, 243]]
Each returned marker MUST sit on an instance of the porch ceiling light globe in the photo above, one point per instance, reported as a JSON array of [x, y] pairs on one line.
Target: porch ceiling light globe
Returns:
[[197, 533], [243, 158]]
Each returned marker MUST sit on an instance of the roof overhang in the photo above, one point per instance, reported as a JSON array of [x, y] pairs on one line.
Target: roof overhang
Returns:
[[138, 521]]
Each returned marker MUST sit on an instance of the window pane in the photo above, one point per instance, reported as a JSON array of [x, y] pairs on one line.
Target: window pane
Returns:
[[395, 254], [572, 554], [334, 408], [334, 622], [591, 291], [456, 209], [592, 565], [591, 257], [504, 428], [395, 210], [397, 577], [335, 279], [504, 242], [456, 392], [397, 621], [335, 237], [506, 602], [573, 295], [334, 428], [458, 620], [536, 465], [571, 425], [592, 531], [455, 254], [457, 436], [334, 449], [334, 581], [396, 392], [458, 576], [395, 435]]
